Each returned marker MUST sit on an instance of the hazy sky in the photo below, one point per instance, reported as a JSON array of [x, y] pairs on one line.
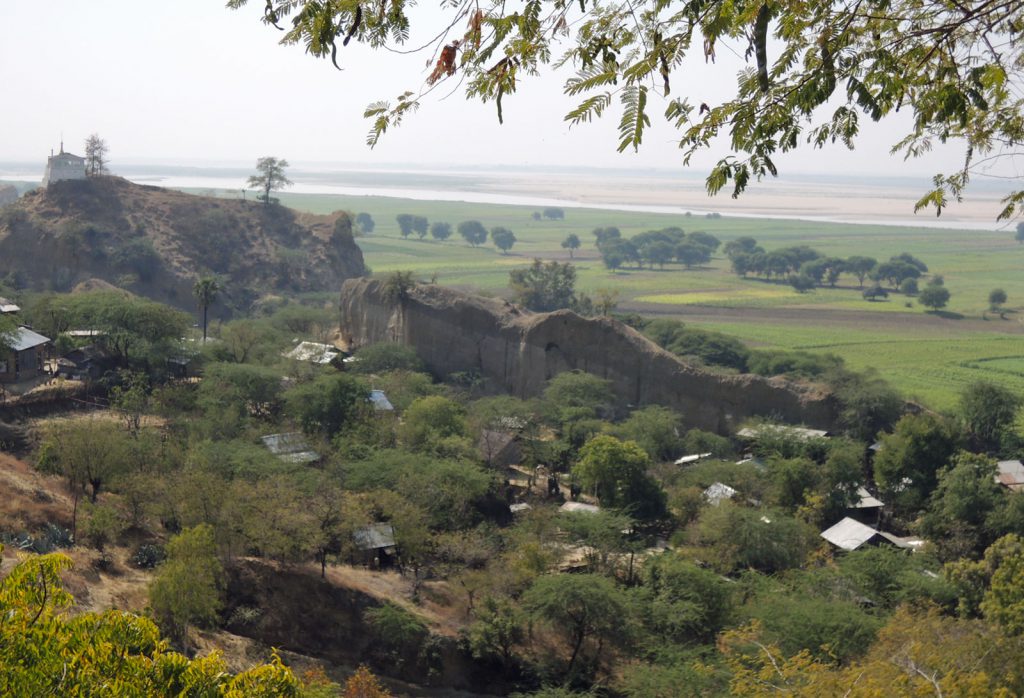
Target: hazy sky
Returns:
[[191, 82]]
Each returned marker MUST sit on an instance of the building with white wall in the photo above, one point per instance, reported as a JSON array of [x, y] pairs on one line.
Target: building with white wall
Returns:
[[63, 166]]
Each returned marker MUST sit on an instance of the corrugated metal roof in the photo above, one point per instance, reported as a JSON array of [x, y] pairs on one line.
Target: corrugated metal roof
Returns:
[[290, 447], [802, 433], [374, 536], [867, 501], [717, 492], [692, 458], [313, 352], [380, 401], [849, 534], [1011, 474], [23, 338]]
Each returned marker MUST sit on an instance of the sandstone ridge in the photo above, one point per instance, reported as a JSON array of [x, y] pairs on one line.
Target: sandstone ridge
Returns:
[[518, 351]]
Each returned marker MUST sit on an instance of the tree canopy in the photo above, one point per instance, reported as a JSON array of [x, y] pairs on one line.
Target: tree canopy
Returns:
[[813, 71], [270, 176]]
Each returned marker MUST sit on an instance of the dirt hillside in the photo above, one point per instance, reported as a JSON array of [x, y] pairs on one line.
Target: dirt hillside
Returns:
[[156, 242]]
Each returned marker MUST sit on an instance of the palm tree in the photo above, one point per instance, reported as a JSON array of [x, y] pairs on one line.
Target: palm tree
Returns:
[[205, 291]]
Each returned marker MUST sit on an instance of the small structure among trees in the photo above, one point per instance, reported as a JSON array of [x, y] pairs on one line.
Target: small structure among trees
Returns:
[[24, 358], [63, 166]]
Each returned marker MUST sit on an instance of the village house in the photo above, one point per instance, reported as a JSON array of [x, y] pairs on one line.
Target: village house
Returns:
[[24, 359], [1010, 474], [850, 534], [290, 447]]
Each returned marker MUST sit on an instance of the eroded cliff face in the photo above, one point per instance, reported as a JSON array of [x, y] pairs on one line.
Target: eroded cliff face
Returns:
[[519, 351]]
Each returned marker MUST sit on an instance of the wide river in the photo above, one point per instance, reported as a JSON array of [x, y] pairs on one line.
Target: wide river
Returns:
[[887, 201]]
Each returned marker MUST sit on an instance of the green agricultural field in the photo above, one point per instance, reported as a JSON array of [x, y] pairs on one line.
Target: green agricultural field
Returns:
[[929, 356]]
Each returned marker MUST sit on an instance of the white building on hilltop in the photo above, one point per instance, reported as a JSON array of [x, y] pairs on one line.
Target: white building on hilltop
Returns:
[[63, 166]]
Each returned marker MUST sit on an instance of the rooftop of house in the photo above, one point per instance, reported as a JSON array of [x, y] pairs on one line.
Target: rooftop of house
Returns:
[[313, 352], [866, 500], [380, 401], [850, 534], [290, 447], [718, 492], [23, 339], [692, 458], [374, 536], [1010, 474], [802, 433]]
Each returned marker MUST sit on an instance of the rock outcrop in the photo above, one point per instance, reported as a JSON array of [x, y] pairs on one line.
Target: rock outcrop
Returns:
[[519, 351]]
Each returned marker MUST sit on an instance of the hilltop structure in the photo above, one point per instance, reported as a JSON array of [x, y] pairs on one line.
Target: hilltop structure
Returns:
[[63, 166]]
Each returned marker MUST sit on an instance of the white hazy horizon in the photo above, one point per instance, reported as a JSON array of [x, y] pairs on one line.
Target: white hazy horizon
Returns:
[[193, 82]]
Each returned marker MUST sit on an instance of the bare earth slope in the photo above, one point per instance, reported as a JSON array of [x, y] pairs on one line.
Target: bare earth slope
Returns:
[[519, 351], [156, 242]]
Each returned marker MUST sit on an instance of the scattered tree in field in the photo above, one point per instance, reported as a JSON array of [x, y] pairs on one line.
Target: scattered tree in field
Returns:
[[909, 287], [691, 254], [405, 221], [95, 155], [861, 267], [706, 239], [658, 252], [270, 177], [554, 213], [934, 297], [503, 239], [896, 271], [205, 290], [536, 215], [188, 585], [875, 292], [996, 300], [742, 245], [420, 226], [473, 232], [365, 223], [603, 235], [801, 283], [571, 243], [440, 230]]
